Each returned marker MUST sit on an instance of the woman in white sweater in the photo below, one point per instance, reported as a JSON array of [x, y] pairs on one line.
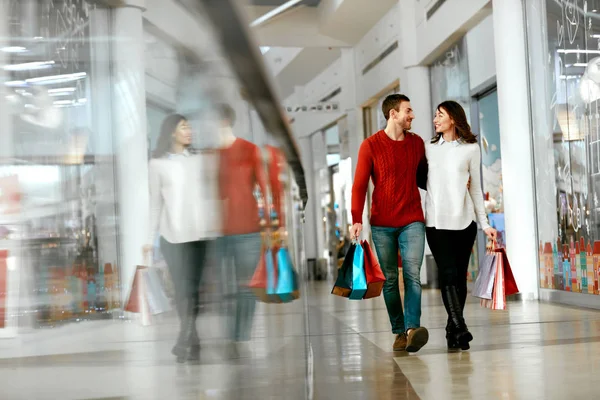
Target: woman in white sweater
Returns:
[[184, 212], [454, 204]]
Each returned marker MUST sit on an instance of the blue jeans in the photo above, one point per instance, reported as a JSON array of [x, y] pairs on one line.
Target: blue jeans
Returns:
[[240, 255], [410, 240]]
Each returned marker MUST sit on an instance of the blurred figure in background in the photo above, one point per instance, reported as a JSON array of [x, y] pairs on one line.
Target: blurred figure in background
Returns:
[[184, 213], [241, 172]]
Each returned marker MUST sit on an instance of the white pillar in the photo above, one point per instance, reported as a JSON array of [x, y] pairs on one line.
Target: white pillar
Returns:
[[310, 226], [417, 86], [129, 112], [414, 78], [349, 105], [517, 153]]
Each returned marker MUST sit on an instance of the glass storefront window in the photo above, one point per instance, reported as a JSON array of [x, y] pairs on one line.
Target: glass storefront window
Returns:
[[565, 89], [449, 76]]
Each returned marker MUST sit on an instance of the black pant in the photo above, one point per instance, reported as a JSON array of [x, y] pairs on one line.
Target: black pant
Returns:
[[452, 251], [186, 263]]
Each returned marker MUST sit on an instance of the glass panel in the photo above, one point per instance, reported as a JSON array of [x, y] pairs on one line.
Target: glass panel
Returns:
[[564, 46], [491, 160], [450, 77]]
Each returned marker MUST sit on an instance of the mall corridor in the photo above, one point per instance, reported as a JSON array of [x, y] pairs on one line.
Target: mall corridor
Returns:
[[526, 352], [189, 189]]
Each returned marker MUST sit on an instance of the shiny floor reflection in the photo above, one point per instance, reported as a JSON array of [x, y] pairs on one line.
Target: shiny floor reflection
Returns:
[[532, 351]]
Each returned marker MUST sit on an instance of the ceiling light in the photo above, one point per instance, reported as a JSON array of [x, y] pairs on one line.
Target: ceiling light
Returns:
[[52, 79], [29, 66], [63, 102], [576, 65], [14, 49], [62, 90], [15, 83], [273, 13], [59, 94], [578, 51]]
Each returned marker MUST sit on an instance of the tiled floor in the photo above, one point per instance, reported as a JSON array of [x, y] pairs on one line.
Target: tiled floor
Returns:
[[341, 350]]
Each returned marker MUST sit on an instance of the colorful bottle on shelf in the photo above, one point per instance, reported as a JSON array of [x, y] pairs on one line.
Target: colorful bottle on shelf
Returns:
[[548, 265], [573, 259], [566, 282], [590, 269], [596, 266], [557, 267], [576, 269], [583, 267]]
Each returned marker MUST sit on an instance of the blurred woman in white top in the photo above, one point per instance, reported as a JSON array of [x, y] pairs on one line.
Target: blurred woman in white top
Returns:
[[185, 212], [454, 205]]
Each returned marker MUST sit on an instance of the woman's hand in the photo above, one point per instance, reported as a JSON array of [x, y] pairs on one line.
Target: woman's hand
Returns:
[[491, 233], [147, 249]]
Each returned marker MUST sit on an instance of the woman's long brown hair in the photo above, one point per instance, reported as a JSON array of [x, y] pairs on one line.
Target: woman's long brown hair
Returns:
[[457, 114]]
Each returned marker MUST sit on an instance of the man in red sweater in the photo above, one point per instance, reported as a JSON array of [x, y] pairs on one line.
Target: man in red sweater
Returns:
[[391, 158]]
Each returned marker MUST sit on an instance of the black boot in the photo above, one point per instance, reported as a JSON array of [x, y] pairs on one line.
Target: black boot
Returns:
[[182, 347], [458, 334], [194, 354], [450, 339]]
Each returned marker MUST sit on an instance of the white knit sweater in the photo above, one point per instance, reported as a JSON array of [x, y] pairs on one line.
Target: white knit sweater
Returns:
[[184, 205], [449, 205]]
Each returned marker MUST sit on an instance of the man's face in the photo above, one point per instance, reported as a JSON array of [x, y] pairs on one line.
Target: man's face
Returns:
[[404, 116]]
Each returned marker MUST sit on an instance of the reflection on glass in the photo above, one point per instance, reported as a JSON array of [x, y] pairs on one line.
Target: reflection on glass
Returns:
[[566, 144]]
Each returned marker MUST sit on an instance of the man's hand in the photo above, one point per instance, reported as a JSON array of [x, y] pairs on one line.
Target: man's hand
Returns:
[[355, 231]]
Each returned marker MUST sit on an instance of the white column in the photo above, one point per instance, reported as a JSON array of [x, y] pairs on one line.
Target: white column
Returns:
[[129, 113], [414, 78], [349, 105], [310, 226], [517, 153]]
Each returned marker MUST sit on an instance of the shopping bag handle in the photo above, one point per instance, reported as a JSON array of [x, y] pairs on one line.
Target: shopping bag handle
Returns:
[[492, 245]]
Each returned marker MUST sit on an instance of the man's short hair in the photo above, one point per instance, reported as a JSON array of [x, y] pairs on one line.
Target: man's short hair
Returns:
[[227, 113], [392, 102]]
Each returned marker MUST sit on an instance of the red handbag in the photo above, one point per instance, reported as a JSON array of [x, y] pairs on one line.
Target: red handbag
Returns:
[[510, 284], [375, 277], [504, 283], [258, 283]]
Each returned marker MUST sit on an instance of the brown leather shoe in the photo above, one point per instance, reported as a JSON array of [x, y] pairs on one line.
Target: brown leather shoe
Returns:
[[416, 339], [400, 342]]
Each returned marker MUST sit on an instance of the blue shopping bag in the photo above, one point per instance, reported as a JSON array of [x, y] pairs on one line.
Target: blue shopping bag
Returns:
[[359, 278], [287, 281], [271, 273]]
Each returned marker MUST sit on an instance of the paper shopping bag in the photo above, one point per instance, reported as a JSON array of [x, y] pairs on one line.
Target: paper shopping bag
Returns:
[[157, 298], [498, 300], [373, 272], [343, 283], [287, 279], [359, 278], [484, 284], [510, 284], [259, 280]]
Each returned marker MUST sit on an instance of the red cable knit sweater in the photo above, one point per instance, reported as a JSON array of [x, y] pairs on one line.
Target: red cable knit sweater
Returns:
[[393, 166]]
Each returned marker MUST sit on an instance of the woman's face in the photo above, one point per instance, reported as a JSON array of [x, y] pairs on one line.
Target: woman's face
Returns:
[[183, 134], [442, 121]]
